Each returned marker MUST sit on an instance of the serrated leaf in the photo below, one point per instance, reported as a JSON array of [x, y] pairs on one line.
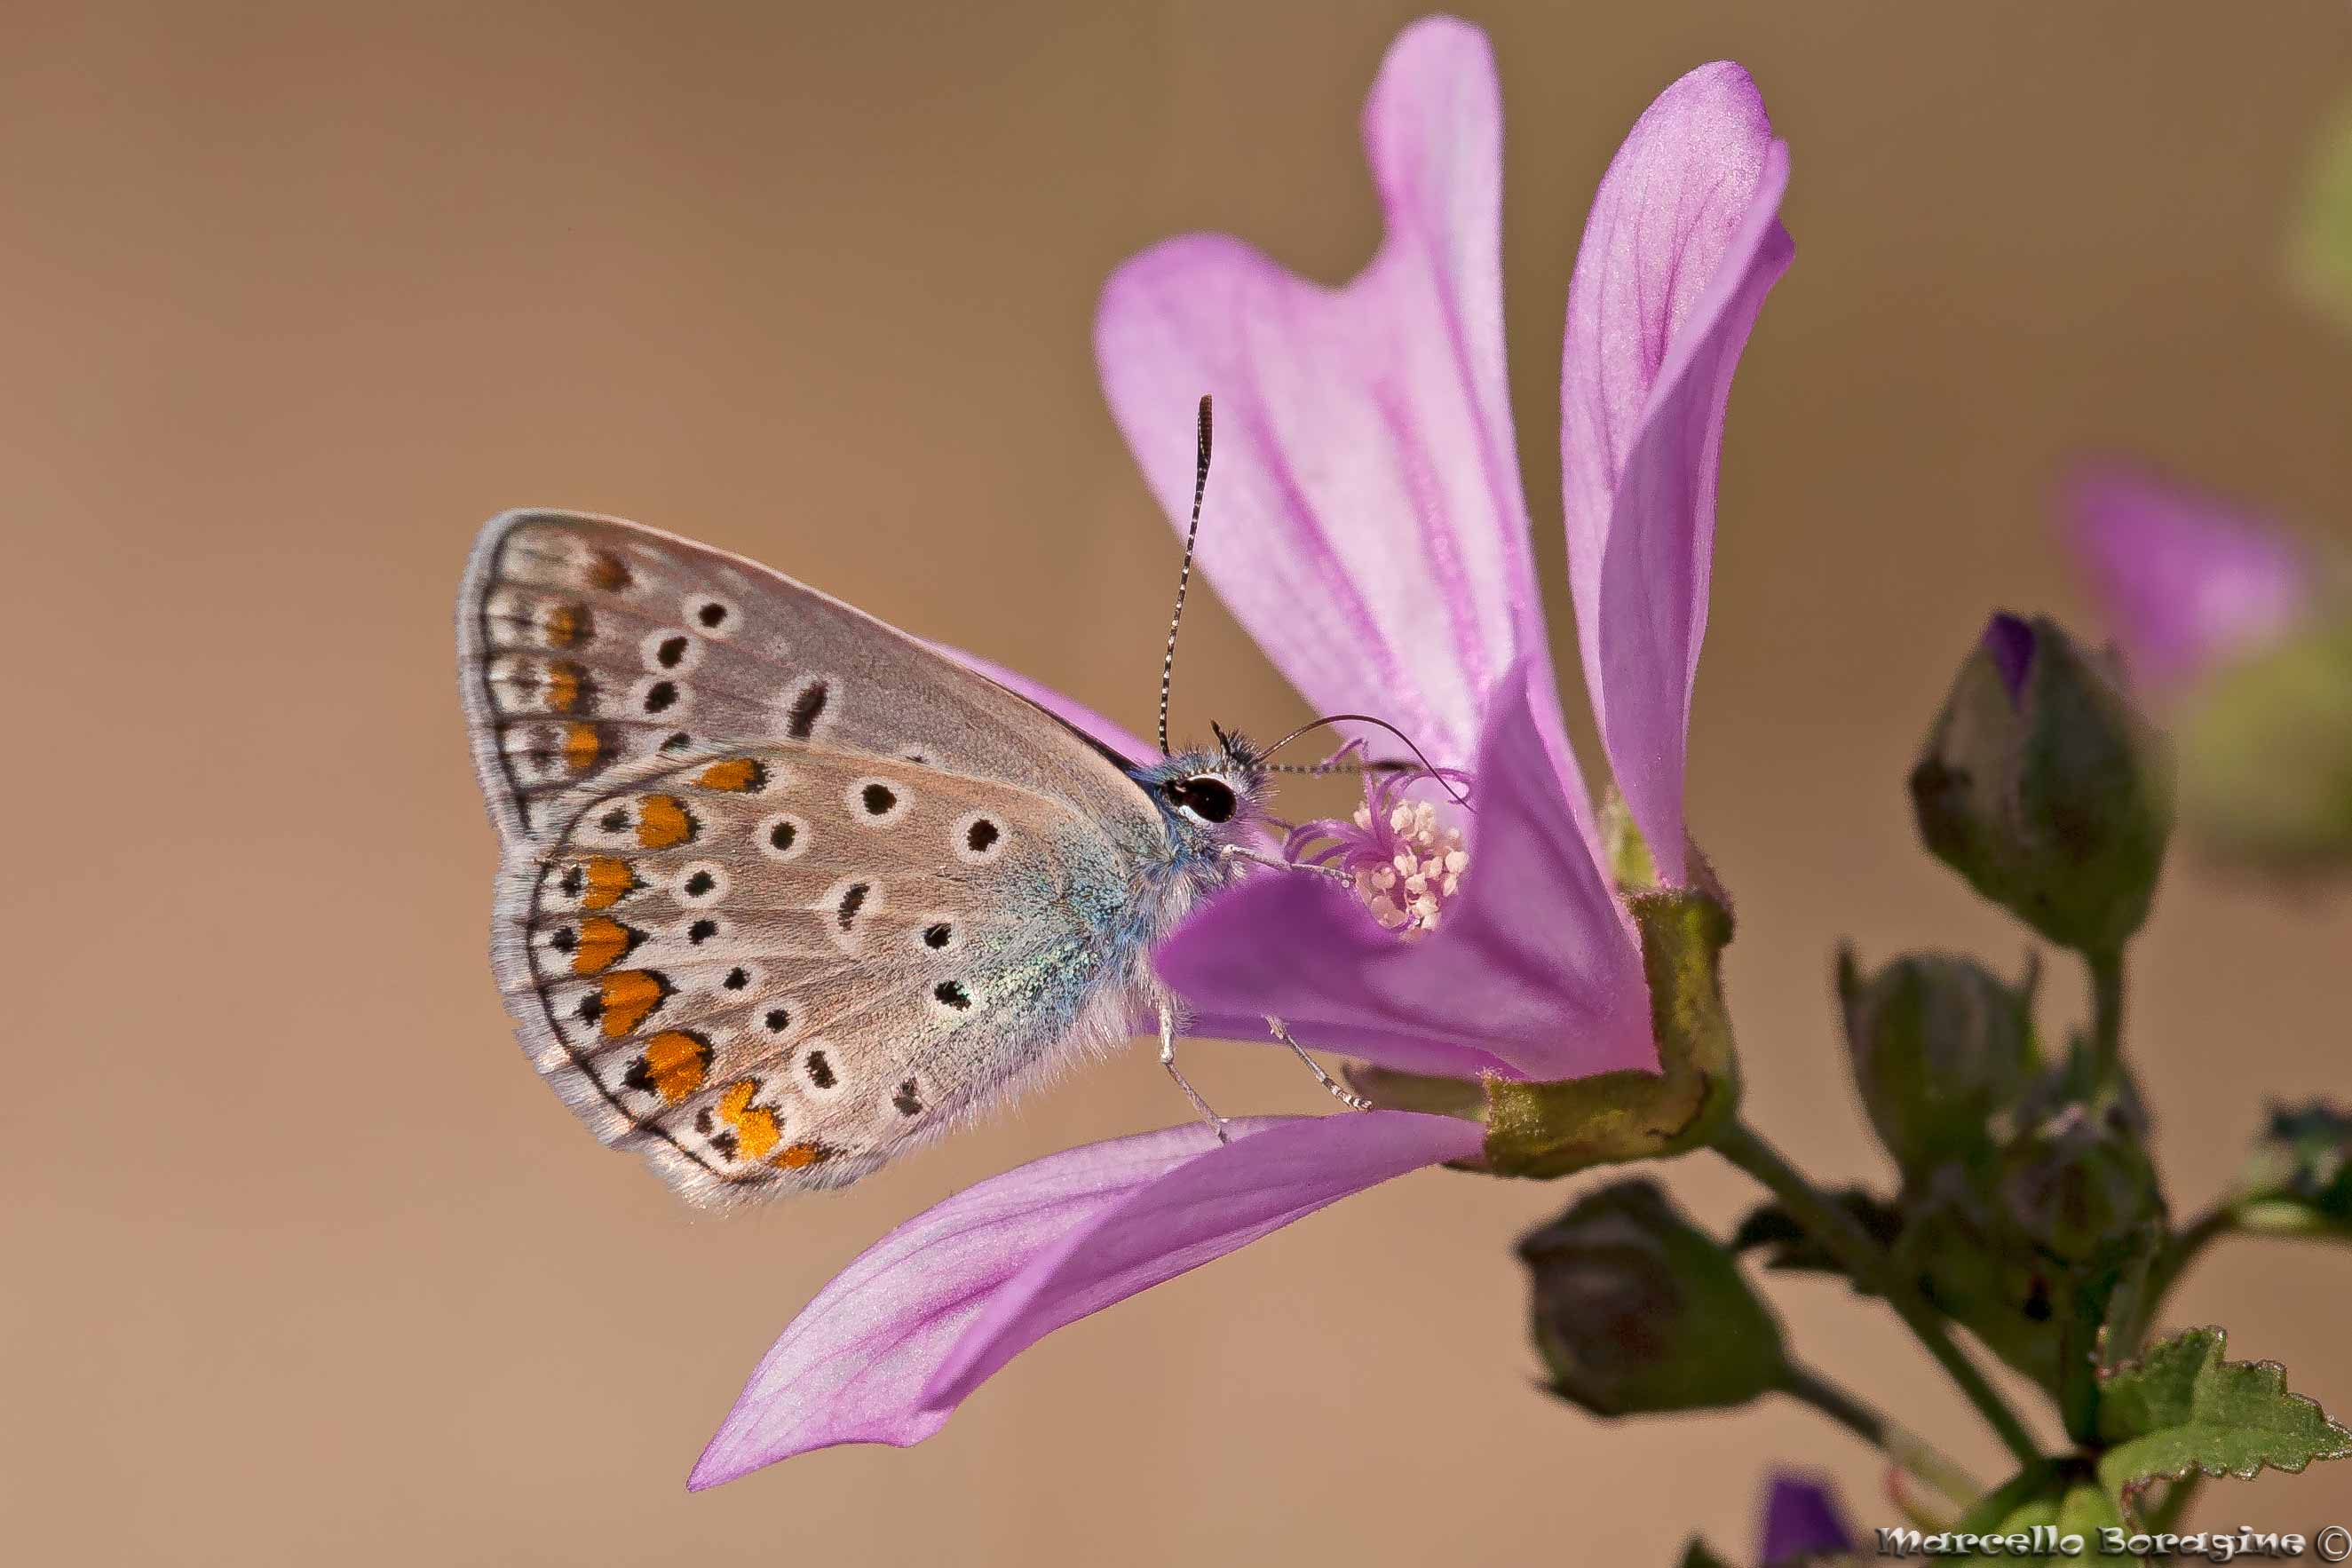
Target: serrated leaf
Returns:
[[2182, 1409]]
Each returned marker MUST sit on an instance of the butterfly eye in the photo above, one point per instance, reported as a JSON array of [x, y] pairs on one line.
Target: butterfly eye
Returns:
[[1206, 797]]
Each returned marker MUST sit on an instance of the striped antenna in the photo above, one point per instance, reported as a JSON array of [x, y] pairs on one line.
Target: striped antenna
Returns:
[[1184, 576]]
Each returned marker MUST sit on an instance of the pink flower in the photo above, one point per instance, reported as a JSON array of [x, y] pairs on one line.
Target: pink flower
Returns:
[[2188, 582], [1372, 535]]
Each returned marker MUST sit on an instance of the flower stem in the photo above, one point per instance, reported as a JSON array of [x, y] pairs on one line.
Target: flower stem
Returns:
[[2178, 1496], [1905, 1448], [2178, 1253], [2106, 1008], [1864, 1259]]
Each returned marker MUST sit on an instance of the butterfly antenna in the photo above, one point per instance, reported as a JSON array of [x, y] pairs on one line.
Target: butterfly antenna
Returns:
[[1426, 765], [1184, 576]]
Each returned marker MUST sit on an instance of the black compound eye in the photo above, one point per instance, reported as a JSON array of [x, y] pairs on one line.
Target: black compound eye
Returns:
[[1206, 797]]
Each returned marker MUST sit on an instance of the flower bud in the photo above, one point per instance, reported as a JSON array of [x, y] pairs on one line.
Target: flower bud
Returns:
[[2044, 787], [2079, 1184], [1939, 1044], [1636, 1311]]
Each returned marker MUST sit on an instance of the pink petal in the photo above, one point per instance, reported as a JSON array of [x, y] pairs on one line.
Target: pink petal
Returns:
[[1683, 244], [1226, 1198], [2186, 580], [1534, 973], [1364, 515], [855, 1365], [1077, 715]]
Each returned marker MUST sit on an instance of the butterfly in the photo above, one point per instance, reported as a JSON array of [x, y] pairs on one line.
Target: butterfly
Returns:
[[787, 892]]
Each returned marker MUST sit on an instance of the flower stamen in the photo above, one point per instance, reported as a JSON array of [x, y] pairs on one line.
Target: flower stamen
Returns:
[[1404, 862]]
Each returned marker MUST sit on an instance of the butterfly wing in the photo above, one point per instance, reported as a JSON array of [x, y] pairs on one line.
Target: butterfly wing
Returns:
[[586, 644], [777, 967], [787, 892]]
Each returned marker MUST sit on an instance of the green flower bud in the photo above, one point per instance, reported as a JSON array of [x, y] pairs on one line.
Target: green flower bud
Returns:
[[1978, 1271], [2079, 1183], [2044, 787], [1636, 1311], [1940, 1045]]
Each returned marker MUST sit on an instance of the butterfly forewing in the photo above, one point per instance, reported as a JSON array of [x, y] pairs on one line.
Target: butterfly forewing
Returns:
[[588, 643], [787, 892]]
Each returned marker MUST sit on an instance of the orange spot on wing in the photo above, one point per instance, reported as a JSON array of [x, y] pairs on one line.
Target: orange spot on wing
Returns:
[[566, 625], [755, 1127], [609, 881], [662, 822], [797, 1156], [629, 997], [735, 774], [564, 679], [603, 942], [606, 571], [581, 745], [673, 1067]]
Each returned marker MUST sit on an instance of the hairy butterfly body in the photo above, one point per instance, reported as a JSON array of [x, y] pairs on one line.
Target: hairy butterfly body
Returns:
[[787, 892]]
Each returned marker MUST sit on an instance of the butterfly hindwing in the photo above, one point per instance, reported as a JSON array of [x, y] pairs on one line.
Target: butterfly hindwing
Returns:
[[776, 967], [587, 644]]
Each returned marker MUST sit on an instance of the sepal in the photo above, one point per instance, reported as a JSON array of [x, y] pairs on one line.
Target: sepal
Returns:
[[1547, 1130]]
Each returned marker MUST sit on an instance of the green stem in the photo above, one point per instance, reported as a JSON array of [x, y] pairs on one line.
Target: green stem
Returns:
[[2106, 1009], [1864, 1259], [1907, 1449], [2178, 1496]]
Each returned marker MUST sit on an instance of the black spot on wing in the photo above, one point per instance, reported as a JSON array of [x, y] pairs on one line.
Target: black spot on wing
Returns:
[[807, 708]]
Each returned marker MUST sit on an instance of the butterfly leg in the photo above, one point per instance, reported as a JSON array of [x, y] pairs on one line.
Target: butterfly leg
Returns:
[[1346, 1096], [1168, 1059]]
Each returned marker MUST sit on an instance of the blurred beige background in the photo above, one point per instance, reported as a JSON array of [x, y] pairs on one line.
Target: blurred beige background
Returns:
[[302, 1263]]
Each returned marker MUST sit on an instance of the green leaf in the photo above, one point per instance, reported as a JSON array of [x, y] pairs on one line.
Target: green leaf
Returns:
[[2297, 1179], [2319, 247], [1696, 1555], [2181, 1409], [2060, 1493], [2037, 1484], [1789, 1247]]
